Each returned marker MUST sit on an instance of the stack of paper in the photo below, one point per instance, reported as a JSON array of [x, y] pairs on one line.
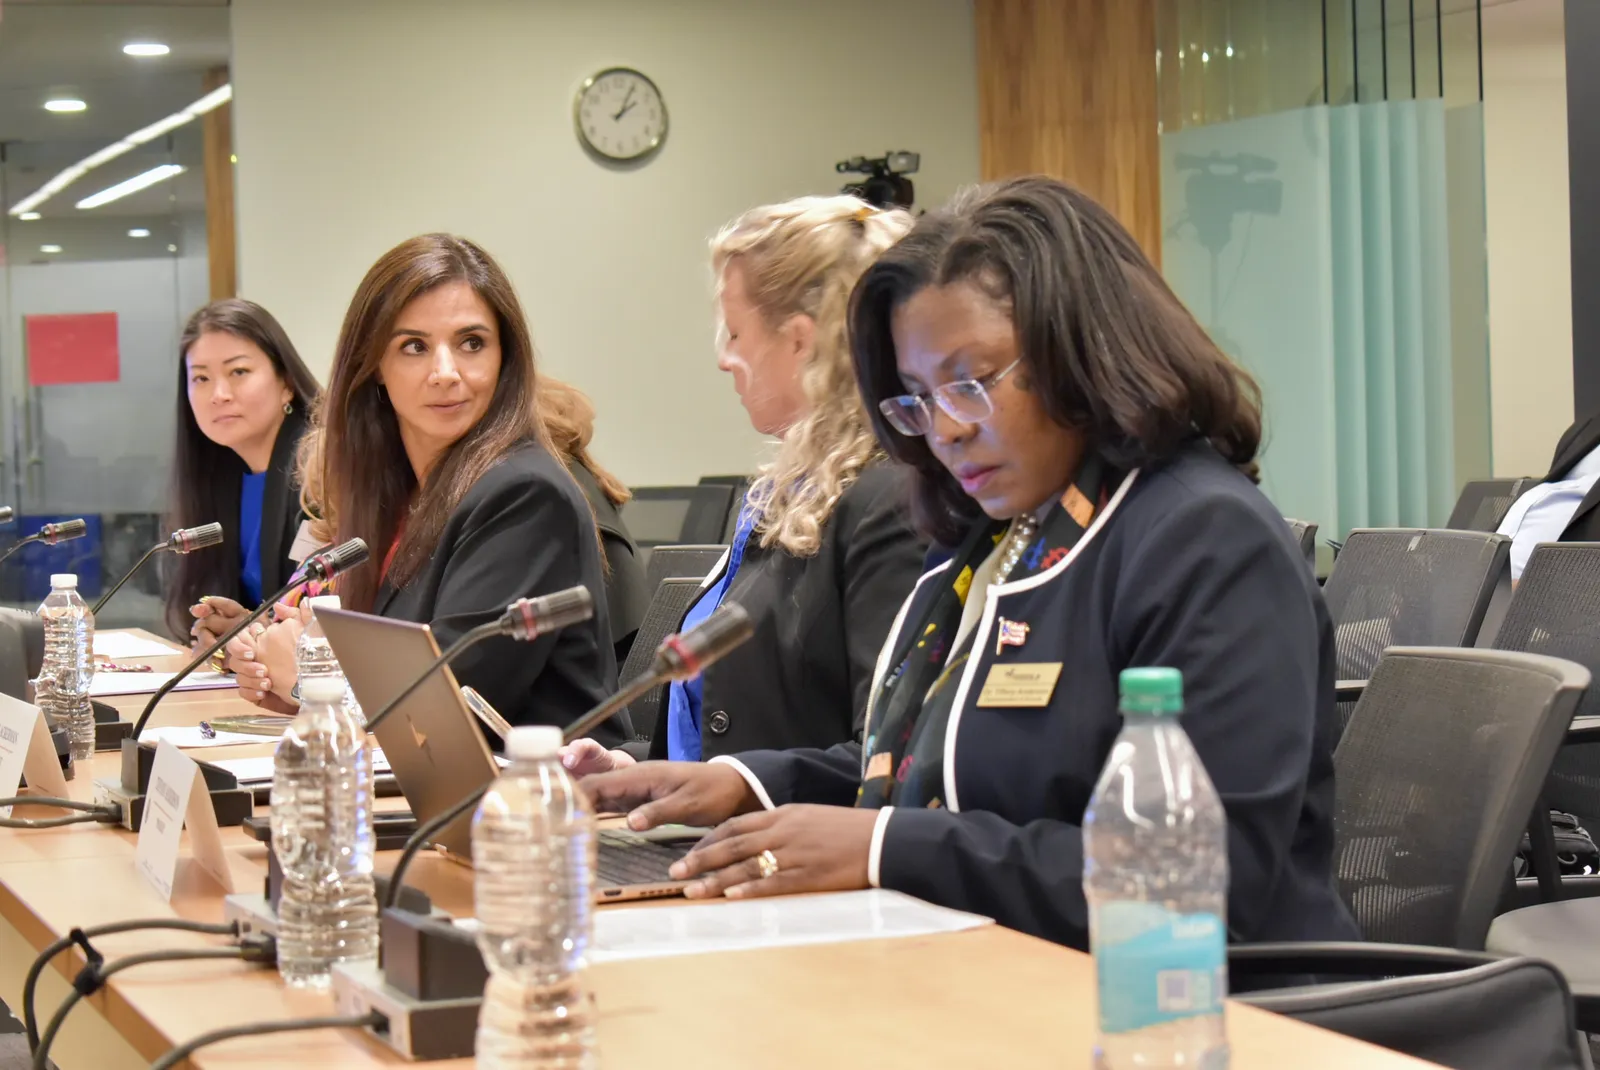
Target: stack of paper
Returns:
[[148, 683]]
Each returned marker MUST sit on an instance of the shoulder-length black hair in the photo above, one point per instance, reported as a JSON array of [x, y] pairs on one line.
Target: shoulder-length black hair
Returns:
[[205, 476], [1105, 344]]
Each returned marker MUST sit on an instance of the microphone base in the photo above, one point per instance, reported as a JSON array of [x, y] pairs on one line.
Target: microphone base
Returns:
[[109, 727], [418, 1030], [232, 806]]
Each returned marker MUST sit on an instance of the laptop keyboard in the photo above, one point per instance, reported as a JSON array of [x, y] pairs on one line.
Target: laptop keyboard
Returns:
[[628, 858]]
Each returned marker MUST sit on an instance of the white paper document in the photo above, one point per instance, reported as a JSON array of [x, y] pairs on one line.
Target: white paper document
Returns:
[[120, 646], [148, 683], [190, 737], [254, 771], [782, 921]]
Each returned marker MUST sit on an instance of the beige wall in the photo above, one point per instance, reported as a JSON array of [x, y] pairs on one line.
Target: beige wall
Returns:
[[1530, 276], [362, 122]]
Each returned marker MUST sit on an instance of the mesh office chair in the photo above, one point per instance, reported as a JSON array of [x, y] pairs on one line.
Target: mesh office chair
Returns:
[[1437, 774], [672, 600], [681, 563], [1409, 587], [740, 485], [659, 516], [1305, 533], [1485, 502]]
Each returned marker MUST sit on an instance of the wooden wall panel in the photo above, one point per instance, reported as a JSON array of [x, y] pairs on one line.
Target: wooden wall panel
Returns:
[[1067, 88], [217, 129]]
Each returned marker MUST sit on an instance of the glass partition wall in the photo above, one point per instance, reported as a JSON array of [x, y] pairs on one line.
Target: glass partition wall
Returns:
[[1323, 215]]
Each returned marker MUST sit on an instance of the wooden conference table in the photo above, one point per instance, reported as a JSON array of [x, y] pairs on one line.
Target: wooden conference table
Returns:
[[988, 997]]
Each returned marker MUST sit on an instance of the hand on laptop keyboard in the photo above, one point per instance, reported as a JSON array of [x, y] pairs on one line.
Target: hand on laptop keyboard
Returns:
[[672, 793]]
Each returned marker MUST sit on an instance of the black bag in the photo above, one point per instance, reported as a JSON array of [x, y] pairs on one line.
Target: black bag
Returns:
[[1576, 853]]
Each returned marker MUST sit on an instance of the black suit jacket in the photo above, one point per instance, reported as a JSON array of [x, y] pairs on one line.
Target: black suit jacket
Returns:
[[802, 679], [1579, 441], [523, 529], [1194, 569], [627, 591]]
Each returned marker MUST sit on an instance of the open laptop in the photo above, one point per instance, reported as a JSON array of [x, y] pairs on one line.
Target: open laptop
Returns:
[[439, 754]]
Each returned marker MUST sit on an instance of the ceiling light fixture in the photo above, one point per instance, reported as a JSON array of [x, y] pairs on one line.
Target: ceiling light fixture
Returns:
[[145, 48], [64, 104], [67, 177], [28, 217], [132, 185], [172, 248], [49, 248], [139, 232]]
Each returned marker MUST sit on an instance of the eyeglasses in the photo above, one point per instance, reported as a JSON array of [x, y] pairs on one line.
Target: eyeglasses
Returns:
[[965, 400]]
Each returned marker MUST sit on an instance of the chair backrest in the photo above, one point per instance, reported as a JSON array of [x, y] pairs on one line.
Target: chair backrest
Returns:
[[1485, 502], [21, 650], [1305, 533], [740, 485], [1556, 611], [1441, 1017], [1437, 774], [1410, 587], [657, 516], [681, 563], [672, 600]]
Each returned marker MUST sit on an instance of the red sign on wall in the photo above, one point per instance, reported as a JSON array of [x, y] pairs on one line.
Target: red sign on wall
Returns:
[[79, 348]]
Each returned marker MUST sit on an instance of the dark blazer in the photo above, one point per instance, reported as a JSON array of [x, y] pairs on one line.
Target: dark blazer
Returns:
[[802, 680], [627, 592], [1579, 441], [281, 515], [1189, 567], [523, 529]]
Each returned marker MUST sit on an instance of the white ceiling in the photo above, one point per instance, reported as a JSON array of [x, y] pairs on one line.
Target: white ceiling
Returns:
[[74, 48]]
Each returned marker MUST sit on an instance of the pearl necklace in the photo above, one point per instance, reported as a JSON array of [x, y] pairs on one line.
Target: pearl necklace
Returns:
[[1023, 529]]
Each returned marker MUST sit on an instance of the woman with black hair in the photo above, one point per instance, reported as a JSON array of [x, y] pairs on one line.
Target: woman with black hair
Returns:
[[1085, 455], [243, 400]]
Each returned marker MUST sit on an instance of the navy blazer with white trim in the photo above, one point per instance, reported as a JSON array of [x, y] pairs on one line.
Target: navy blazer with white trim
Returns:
[[1189, 566]]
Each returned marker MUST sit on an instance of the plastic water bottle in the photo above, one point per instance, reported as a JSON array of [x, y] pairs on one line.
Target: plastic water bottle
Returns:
[[322, 835], [62, 688], [314, 656], [533, 851], [1155, 844]]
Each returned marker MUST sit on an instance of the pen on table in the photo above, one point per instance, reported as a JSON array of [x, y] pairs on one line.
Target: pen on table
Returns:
[[112, 666], [206, 731]]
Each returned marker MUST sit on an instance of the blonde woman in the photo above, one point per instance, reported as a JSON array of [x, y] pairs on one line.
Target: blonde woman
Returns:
[[824, 554]]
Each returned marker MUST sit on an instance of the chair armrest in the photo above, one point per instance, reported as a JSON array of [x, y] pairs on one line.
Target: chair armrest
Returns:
[[1349, 690], [1353, 958]]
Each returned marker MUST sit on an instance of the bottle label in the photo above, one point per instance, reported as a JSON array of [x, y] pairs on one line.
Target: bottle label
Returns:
[[1155, 966]]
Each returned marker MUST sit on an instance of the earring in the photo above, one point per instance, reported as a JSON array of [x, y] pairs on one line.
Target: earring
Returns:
[[288, 407]]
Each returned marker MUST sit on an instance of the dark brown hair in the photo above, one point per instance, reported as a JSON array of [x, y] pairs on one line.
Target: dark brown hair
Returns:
[[365, 478], [568, 416], [206, 477], [1105, 344]]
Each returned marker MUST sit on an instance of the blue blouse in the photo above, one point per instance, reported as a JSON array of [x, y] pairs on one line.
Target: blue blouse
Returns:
[[250, 497]]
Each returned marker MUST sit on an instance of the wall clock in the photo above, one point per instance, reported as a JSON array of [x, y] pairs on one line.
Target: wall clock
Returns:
[[620, 114]]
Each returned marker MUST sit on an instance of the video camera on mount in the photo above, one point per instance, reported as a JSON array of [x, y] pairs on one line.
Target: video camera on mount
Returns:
[[885, 185]]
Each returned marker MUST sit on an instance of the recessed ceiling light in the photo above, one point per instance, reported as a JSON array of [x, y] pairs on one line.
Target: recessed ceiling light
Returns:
[[28, 217], [139, 232], [172, 248], [132, 185], [65, 104], [49, 248], [145, 48]]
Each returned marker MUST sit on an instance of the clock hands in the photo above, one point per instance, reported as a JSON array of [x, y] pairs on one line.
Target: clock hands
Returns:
[[627, 103]]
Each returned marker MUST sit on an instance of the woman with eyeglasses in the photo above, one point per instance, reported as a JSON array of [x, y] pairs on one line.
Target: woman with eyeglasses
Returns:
[[1086, 456]]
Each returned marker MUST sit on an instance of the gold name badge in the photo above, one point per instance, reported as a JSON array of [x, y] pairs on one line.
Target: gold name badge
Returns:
[[1019, 684]]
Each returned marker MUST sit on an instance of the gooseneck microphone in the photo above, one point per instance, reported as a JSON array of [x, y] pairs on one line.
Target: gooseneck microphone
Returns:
[[182, 541], [679, 657], [322, 565], [50, 535], [525, 620]]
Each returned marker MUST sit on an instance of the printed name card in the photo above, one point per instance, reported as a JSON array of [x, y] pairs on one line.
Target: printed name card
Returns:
[[178, 797], [26, 750]]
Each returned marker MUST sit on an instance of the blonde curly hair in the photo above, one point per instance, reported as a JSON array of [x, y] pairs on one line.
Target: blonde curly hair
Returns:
[[803, 257]]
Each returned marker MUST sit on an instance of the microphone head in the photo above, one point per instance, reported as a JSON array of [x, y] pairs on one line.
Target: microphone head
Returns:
[[7, 514], [683, 657], [342, 558], [529, 618], [188, 540], [51, 534]]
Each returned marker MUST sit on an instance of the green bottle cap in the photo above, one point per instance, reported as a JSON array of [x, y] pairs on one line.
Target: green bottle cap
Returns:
[[1158, 691]]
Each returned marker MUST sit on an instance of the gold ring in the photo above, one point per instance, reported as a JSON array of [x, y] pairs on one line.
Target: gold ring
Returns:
[[768, 862], [219, 661]]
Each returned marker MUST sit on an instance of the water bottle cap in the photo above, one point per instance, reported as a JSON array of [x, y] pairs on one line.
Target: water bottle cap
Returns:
[[64, 579], [323, 689], [533, 741], [324, 601], [1152, 690]]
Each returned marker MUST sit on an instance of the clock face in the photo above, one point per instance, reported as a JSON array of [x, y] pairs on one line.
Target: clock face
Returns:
[[620, 114]]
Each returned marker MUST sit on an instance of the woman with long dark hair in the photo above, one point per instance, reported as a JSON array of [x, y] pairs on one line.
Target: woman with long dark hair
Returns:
[[429, 445], [1085, 456], [243, 401]]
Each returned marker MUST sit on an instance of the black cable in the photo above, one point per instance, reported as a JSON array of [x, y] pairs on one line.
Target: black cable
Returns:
[[51, 800], [103, 817], [292, 1025], [41, 1054], [109, 929], [425, 831]]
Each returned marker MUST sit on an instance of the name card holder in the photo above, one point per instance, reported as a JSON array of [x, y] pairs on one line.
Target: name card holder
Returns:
[[27, 751], [177, 798]]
